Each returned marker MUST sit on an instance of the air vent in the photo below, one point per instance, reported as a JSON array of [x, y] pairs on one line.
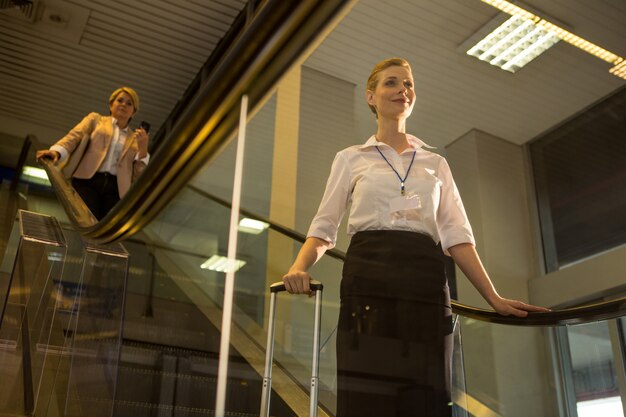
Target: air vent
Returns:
[[26, 8], [55, 19]]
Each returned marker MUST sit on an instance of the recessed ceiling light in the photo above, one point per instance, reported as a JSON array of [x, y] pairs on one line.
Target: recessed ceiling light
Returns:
[[619, 69], [523, 11], [513, 44], [247, 225], [35, 175], [34, 172]]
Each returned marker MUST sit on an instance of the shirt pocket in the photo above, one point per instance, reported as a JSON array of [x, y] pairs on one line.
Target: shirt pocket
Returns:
[[425, 184]]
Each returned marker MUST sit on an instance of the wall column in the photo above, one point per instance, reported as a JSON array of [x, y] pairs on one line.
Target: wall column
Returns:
[[506, 367], [280, 249]]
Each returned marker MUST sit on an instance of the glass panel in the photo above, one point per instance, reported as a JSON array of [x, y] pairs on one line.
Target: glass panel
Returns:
[[97, 330], [459, 387], [57, 344], [294, 331], [27, 328], [496, 360], [593, 371], [8, 264]]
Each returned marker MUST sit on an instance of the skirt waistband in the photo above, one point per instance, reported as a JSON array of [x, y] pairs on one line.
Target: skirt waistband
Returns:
[[395, 236]]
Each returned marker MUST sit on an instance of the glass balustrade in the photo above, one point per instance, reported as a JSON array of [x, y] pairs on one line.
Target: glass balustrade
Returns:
[[499, 369], [30, 334], [61, 321]]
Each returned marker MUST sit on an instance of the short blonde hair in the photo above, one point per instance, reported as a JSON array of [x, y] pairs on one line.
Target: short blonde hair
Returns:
[[372, 81], [132, 93]]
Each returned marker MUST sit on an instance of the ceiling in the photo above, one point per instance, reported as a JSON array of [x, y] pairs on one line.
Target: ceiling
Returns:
[[55, 70], [64, 64], [456, 92]]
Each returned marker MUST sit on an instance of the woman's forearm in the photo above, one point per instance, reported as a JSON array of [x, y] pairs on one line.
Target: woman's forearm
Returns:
[[297, 279], [466, 257], [312, 250]]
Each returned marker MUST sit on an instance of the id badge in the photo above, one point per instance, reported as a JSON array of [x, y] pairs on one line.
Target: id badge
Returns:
[[401, 203]]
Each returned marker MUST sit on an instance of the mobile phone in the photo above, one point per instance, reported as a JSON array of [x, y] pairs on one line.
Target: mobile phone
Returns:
[[145, 126]]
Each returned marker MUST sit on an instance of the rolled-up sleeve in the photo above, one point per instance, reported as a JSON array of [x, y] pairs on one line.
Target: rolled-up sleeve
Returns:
[[453, 226], [333, 206]]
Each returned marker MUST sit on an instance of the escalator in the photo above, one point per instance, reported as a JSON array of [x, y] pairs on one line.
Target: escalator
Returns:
[[163, 361], [124, 317]]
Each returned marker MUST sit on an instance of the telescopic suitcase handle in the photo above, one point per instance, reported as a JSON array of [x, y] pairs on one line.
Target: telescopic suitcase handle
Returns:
[[275, 288], [280, 286]]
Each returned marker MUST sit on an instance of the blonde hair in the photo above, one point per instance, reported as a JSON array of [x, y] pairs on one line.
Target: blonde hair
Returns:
[[372, 81], [132, 93]]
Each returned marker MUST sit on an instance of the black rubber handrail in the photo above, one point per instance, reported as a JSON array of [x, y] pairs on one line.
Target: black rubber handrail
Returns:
[[243, 18], [604, 310], [77, 211], [585, 314], [276, 38]]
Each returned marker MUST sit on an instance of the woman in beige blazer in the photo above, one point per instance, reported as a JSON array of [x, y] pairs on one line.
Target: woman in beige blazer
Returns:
[[114, 157]]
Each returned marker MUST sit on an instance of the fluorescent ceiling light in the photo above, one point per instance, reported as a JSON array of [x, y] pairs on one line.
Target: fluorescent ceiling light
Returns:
[[563, 34], [34, 172], [35, 175], [513, 44], [222, 264], [55, 256], [251, 226], [619, 70]]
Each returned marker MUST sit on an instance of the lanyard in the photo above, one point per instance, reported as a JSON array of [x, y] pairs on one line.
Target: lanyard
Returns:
[[394, 170]]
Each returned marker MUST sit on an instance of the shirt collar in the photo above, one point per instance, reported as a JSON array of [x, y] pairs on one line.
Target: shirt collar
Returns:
[[413, 141], [114, 121]]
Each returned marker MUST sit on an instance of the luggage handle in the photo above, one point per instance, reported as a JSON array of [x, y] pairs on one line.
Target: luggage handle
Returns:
[[275, 288], [280, 286]]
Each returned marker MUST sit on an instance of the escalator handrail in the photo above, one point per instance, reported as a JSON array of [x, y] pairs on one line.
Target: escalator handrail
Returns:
[[584, 314], [77, 211], [589, 313], [276, 38]]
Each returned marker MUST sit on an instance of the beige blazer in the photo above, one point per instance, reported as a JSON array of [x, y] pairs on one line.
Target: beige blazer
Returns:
[[100, 130]]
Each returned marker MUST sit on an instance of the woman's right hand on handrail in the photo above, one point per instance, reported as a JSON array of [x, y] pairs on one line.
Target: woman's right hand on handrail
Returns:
[[48, 154]]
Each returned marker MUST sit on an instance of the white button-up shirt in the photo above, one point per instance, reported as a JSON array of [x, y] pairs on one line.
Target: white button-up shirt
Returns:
[[115, 149], [360, 177]]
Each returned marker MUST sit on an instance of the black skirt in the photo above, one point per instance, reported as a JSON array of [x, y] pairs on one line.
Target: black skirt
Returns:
[[394, 340]]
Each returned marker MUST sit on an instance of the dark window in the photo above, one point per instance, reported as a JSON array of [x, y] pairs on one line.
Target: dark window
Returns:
[[580, 179]]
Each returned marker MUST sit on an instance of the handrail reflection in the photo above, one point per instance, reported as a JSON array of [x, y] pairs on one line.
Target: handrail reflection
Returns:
[[292, 234], [593, 312]]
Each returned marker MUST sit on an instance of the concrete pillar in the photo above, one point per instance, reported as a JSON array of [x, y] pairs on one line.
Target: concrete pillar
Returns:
[[280, 249]]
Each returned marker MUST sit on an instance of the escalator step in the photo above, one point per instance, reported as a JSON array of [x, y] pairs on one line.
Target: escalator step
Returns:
[[139, 409]]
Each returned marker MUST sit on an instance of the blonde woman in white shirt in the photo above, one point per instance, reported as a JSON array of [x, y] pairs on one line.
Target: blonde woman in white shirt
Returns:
[[114, 157], [394, 339]]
